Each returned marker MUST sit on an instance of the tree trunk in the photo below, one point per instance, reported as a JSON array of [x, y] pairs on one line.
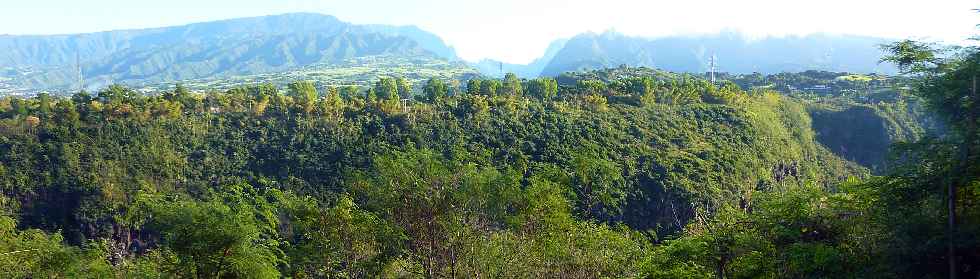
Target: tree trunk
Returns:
[[951, 228], [966, 152], [721, 268]]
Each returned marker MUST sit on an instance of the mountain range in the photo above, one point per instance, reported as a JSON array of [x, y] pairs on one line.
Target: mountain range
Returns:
[[496, 68], [207, 50], [281, 43], [732, 52]]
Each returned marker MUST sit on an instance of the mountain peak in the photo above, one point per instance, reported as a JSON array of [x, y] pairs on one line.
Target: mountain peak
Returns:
[[240, 46], [740, 54]]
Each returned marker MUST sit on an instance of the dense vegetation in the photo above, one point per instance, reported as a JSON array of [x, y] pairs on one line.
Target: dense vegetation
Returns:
[[597, 175], [879, 111]]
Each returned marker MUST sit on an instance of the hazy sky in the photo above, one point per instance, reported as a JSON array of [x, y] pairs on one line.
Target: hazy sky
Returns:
[[519, 30]]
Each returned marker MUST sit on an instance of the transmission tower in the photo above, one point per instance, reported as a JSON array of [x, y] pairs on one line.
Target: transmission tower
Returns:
[[78, 68], [711, 68]]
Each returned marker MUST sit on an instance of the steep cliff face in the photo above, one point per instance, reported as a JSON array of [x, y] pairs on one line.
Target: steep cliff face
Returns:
[[858, 134], [864, 133]]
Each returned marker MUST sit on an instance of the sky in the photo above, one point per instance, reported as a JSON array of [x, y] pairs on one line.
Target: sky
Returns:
[[518, 31]]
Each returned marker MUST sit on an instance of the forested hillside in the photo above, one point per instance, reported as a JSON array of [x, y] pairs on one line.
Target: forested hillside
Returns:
[[502, 163], [859, 117], [620, 173]]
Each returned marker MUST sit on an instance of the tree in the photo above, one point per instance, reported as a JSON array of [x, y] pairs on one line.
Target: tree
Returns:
[[591, 87], [35, 254], [512, 85], [948, 84], [435, 89], [798, 233], [343, 239], [348, 92], [596, 102], [387, 89], [543, 88], [304, 93], [489, 87], [5, 107], [67, 113], [44, 105], [117, 93], [474, 86], [179, 94], [233, 234], [19, 107], [727, 94], [332, 102], [435, 202], [599, 185], [455, 88], [404, 88], [642, 87]]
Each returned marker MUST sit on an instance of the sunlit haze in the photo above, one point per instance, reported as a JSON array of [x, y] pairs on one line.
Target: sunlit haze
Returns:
[[518, 31]]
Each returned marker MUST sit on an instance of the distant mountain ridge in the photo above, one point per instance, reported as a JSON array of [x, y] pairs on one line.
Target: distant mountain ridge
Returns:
[[54, 50], [734, 53], [206, 50], [428, 41], [492, 67], [271, 44]]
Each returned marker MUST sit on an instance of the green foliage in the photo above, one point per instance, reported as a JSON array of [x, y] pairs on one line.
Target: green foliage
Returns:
[[435, 90], [590, 87], [232, 234], [797, 233], [598, 184], [911, 56], [305, 94], [387, 89], [729, 93], [563, 181], [644, 87], [343, 239], [930, 195], [543, 88], [512, 85], [489, 87], [473, 86], [404, 88], [35, 254]]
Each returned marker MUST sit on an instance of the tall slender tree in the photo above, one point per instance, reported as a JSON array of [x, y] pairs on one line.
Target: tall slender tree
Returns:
[[948, 84]]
